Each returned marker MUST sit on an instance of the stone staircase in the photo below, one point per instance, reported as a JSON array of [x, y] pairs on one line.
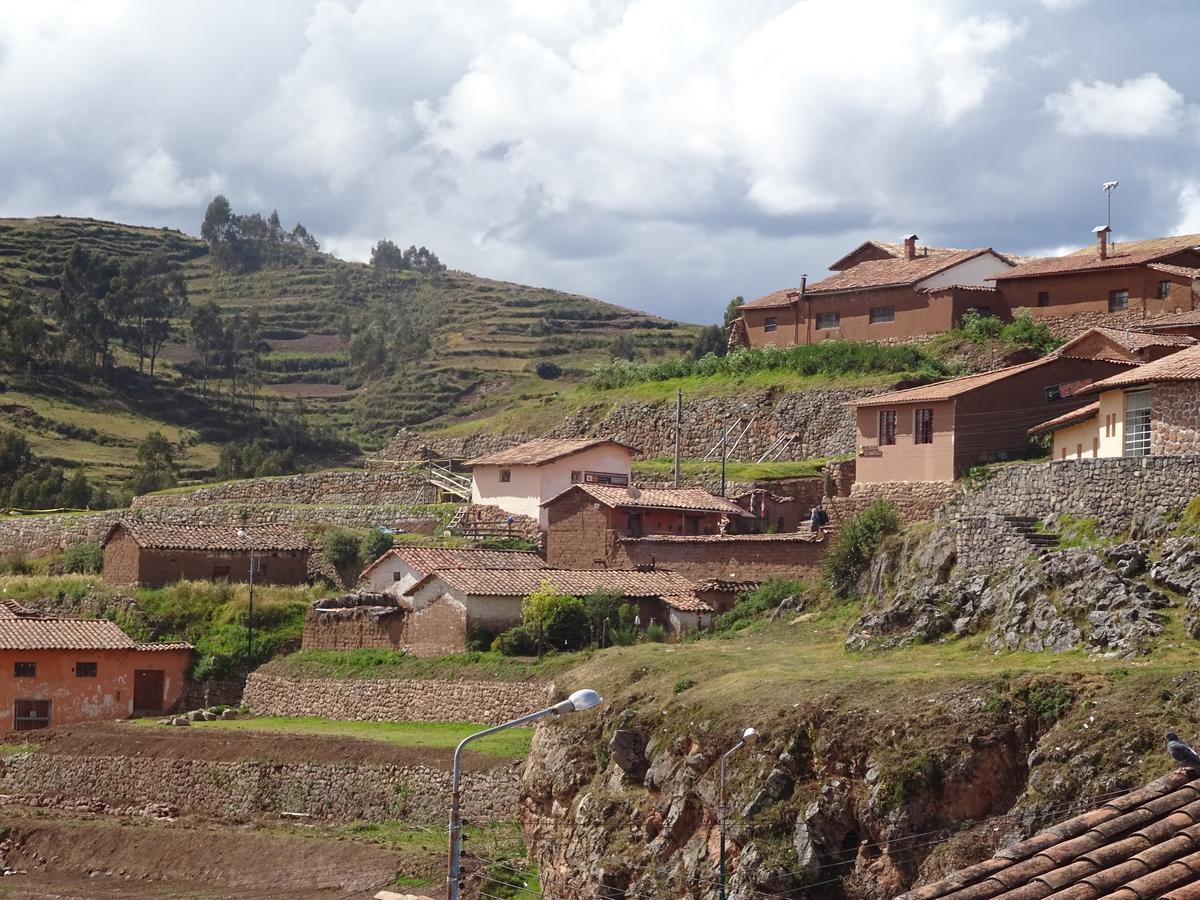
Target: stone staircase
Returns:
[[1026, 527]]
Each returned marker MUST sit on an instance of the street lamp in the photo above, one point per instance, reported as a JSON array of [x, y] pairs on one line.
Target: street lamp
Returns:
[[241, 532], [749, 736], [577, 702]]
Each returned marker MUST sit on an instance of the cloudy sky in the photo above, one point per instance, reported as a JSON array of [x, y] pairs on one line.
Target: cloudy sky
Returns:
[[663, 154]]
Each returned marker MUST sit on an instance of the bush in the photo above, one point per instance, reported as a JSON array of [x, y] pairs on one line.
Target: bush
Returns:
[[753, 604], [480, 638], [16, 563], [562, 619], [856, 543], [656, 634], [374, 544], [85, 558], [548, 370], [341, 548], [601, 605], [519, 641], [683, 684]]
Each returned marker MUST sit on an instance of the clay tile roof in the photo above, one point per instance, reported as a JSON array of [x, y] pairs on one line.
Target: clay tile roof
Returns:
[[32, 631], [1078, 415], [1132, 341], [670, 586], [1186, 271], [726, 586], [774, 299], [427, 559], [898, 272], [157, 536], [1120, 254], [1178, 320], [542, 451], [682, 499], [800, 537], [950, 388], [1133, 847], [1183, 365]]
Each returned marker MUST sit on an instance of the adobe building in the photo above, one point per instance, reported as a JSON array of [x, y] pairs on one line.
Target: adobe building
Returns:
[[1152, 410], [401, 567], [153, 554], [1130, 282], [58, 671], [519, 480], [936, 432], [880, 292], [492, 600]]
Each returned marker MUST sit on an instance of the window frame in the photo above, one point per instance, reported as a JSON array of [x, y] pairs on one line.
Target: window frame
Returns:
[[1135, 437], [889, 311], [31, 720], [505, 476], [1121, 295], [886, 436], [1164, 289], [923, 425], [771, 324], [87, 669], [822, 321], [1043, 299], [611, 479], [24, 669]]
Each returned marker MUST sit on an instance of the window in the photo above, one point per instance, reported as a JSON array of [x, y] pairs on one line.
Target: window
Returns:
[[24, 670], [1079, 451], [576, 476], [771, 324], [1137, 423], [881, 314], [1043, 298], [828, 321], [85, 670], [505, 476], [397, 576], [1118, 300], [220, 572], [1095, 448], [606, 478], [1164, 290], [260, 569], [887, 426], [923, 426], [31, 714]]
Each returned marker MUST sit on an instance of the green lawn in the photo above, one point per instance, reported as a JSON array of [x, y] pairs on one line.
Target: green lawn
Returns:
[[14, 749], [511, 744], [662, 467]]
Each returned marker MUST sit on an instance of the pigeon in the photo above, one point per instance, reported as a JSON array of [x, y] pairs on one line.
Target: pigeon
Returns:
[[1182, 753]]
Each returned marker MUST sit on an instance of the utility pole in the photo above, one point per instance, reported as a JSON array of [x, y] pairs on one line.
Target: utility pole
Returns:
[[678, 431], [724, 438]]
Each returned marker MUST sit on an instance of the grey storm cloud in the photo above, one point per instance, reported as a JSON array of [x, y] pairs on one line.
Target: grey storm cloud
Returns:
[[664, 154]]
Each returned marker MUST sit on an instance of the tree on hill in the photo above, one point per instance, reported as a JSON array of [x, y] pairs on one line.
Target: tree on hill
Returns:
[[711, 339], [733, 310], [156, 467], [387, 257], [155, 294], [243, 242], [207, 338], [89, 310], [25, 340]]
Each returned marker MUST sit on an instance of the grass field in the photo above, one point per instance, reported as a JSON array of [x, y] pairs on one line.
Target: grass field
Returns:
[[663, 467], [510, 744]]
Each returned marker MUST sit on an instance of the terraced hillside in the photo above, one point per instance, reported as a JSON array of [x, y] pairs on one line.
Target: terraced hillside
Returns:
[[485, 341]]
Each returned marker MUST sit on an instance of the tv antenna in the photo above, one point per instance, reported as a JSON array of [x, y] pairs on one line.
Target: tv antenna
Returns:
[[1108, 187]]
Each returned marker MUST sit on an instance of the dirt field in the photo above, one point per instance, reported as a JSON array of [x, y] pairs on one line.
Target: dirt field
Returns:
[[230, 745]]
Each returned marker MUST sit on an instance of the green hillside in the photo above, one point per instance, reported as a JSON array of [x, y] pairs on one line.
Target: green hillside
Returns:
[[478, 343]]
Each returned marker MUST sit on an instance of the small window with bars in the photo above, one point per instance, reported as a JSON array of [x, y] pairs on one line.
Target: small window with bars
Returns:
[[1043, 298], [1118, 300], [923, 426], [505, 476], [828, 321], [882, 314], [1164, 290], [1137, 423], [887, 426], [24, 670], [29, 715], [85, 670], [771, 324]]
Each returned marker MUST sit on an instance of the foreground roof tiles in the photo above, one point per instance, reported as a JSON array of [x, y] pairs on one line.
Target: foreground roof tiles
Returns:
[[950, 388], [158, 536], [25, 629], [540, 452], [1178, 320], [428, 559], [671, 587], [1133, 341], [1181, 366], [898, 272], [1144, 845], [1076, 415], [682, 499], [1120, 254]]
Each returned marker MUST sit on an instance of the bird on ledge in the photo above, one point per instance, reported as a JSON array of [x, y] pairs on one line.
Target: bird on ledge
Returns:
[[1182, 753]]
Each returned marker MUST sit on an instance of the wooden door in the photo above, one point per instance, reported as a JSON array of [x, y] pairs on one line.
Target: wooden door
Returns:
[[147, 691]]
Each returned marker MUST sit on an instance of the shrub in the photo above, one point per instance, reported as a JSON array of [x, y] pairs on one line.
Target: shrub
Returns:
[[856, 543], [601, 605], [480, 638], [85, 558], [519, 641], [683, 684], [374, 544], [763, 599], [548, 370], [562, 619], [16, 563], [655, 633], [627, 612], [341, 548]]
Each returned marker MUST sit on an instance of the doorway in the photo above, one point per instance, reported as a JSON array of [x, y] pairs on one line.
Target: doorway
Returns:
[[147, 691]]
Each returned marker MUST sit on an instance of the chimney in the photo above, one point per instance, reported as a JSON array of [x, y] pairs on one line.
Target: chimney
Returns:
[[1101, 232], [910, 247], [803, 284]]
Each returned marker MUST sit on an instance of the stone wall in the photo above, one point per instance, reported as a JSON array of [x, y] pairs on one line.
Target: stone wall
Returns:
[[394, 700], [727, 557], [988, 543], [248, 787], [915, 500], [1072, 326], [374, 488], [1175, 419], [820, 420], [437, 630], [1113, 491]]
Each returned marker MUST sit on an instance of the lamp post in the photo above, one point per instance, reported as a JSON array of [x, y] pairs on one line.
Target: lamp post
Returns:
[[250, 611], [577, 702], [749, 736]]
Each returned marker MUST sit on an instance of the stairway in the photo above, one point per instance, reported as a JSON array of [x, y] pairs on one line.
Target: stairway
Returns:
[[1026, 526], [450, 482], [457, 519]]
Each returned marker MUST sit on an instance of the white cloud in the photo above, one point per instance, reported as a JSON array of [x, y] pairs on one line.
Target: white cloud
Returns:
[[1145, 106], [1189, 207], [1062, 5], [153, 179]]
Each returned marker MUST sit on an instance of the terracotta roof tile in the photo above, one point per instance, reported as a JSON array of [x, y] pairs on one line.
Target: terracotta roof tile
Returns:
[[32, 631], [1132, 341], [1187, 892], [1191, 317], [427, 559], [1077, 415], [682, 499], [950, 388], [773, 300], [1121, 253], [797, 537], [158, 536], [542, 451], [896, 272], [1181, 366], [1135, 847], [1186, 271]]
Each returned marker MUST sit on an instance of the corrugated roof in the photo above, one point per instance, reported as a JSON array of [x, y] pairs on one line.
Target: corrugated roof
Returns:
[[523, 582], [1121, 253], [1139, 846], [540, 452], [1078, 415], [951, 387], [427, 559], [158, 536], [1181, 366], [682, 499]]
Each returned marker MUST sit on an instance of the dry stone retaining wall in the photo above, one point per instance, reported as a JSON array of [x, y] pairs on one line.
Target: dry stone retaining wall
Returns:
[[246, 788], [376, 488], [1175, 414], [916, 501], [394, 700]]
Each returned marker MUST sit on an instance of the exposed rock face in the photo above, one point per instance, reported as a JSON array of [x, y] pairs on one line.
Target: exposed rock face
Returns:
[[1179, 570]]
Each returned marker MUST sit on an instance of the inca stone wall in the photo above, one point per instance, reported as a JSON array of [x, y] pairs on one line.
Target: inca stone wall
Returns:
[[394, 700], [819, 420], [1175, 419], [248, 787], [916, 501], [375, 488]]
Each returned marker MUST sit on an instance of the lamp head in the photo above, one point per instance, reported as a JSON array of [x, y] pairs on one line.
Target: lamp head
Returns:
[[584, 699], [749, 736]]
